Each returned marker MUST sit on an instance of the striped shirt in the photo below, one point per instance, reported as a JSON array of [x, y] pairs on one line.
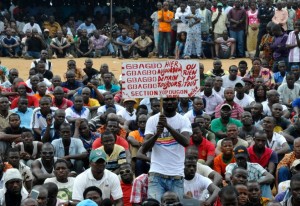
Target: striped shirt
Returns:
[[117, 157]]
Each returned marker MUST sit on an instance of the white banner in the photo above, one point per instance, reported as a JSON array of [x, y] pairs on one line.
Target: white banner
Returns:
[[174, 78]]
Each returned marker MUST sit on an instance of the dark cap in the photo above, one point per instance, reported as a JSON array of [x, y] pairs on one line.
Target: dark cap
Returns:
[[240, 151]]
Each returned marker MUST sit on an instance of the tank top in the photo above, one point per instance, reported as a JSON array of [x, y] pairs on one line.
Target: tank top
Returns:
[[43, 168], [84, 45]]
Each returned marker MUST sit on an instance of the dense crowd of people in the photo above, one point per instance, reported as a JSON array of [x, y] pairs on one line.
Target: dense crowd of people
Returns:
[[74, 140]]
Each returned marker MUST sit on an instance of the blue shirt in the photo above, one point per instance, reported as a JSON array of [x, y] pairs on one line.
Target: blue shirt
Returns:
[[74, 86], [25, 117], [76, 147], [278, 77], [179, 109], [296, 103], [127, 40], [114, 88]]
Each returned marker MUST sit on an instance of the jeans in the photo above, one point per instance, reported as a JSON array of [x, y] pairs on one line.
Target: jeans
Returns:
[[283, 174], [240, 42], [109, 48], [14, 51], [35, 55], [266, 191], [164, 37], [157, 186]]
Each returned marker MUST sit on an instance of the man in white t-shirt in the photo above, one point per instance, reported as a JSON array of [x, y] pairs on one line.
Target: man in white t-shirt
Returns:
[[275, 141], [197, 186], [232, 78], [62, 180], [241, 97], [98, 176], [109, 102], [166, 134], [198, 106], [129, 113]]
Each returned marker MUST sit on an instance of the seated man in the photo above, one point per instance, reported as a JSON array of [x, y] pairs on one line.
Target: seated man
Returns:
[[84, 45], [195, 184], [255, 171], [129, 113], [225, 46], [124, 43], [109, 102], [206, 148], [90, 103], [41, 69], [255, 193], [225, 158], [42, 168], [115, 154], [101, 45], [24, 112], [60, 46], [142, 45], [71, 83], [29, 150], [70, 149], [77, 110], [33, 45], [108, 85], [62, 179], [10, 45]]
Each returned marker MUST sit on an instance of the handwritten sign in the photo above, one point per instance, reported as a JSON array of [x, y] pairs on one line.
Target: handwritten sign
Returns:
[[160, 79]]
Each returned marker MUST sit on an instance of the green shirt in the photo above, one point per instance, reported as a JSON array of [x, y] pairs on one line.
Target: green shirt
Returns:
[[217, 126]]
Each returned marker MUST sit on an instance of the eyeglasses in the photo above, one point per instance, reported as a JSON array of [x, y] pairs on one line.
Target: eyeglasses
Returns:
[[122, 172]]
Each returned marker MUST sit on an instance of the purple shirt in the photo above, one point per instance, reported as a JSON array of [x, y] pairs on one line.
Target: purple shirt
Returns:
[[278, 47], [237, 14]]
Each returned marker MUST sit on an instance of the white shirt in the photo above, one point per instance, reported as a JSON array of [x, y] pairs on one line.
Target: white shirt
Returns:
[[294, 54], [46, 81], [229, 83], [35, 26], [64, 188], [38, 120], [203, 170], [190, 115], [125, 114], [197, 186], [46, 64], [266, 109], [288, 95], [220, 93], [102, 109], [167, 155], [182, 26], [211, 102], [109, 185], [245, 102], [277, 141], [85, 113]]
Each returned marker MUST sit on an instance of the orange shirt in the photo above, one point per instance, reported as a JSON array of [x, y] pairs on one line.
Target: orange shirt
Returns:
[[220, 165], [137, 136], [167, 16]]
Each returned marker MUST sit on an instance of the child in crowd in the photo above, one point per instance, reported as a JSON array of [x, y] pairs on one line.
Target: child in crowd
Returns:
[[265, 43], [207, 46], [180, 45]]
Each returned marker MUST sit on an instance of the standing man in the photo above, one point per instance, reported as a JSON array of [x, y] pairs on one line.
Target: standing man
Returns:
[[165, 17], [237, 19], [166, 134], [180, 15], [219, 20], [265, 15], [206, 17]]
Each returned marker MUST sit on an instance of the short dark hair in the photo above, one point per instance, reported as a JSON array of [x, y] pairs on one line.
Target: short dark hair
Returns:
[[243, 62], [92, 188], [225, 140], [13, 114], [60, 161], [228, 190]]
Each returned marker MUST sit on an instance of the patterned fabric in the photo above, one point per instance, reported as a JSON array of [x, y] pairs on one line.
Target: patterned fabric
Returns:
[[88, 144], [264, 73], [287, 160], [255, 171], [139, 189], [264, 45]]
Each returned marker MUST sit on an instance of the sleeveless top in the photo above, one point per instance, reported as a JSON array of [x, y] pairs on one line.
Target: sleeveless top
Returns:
[[43, 168], [252, 17]]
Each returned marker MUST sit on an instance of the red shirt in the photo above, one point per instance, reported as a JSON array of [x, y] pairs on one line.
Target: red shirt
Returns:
[[32, 102], [126, 188], [263, 160], [206, 148], [120, 141], [64, 105]]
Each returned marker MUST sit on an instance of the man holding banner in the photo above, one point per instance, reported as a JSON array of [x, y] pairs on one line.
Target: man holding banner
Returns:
[[166, 133]]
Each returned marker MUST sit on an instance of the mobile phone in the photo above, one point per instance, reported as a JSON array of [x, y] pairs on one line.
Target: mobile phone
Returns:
[[34, 194]]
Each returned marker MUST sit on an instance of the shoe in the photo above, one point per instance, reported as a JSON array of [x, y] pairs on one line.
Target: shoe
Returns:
[[113, 55], [232, 57], [186, 57], [150, 55], [136, 57], [160, 56], [26, 56], [120, 57], [69, 56], [54, 56]]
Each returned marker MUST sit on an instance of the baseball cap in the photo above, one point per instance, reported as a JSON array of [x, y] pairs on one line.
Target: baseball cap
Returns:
[[46, 30], [240, 83], [95, 155], [295, 163], [28, 90], [240, 151], [226, 105], [219, 4], [129, 100]]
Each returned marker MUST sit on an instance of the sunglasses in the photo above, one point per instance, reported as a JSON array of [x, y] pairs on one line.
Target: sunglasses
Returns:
[[122, 172]]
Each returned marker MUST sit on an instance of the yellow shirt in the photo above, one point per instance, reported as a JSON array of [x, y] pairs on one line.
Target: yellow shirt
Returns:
[[116, 158], [53, 28]]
